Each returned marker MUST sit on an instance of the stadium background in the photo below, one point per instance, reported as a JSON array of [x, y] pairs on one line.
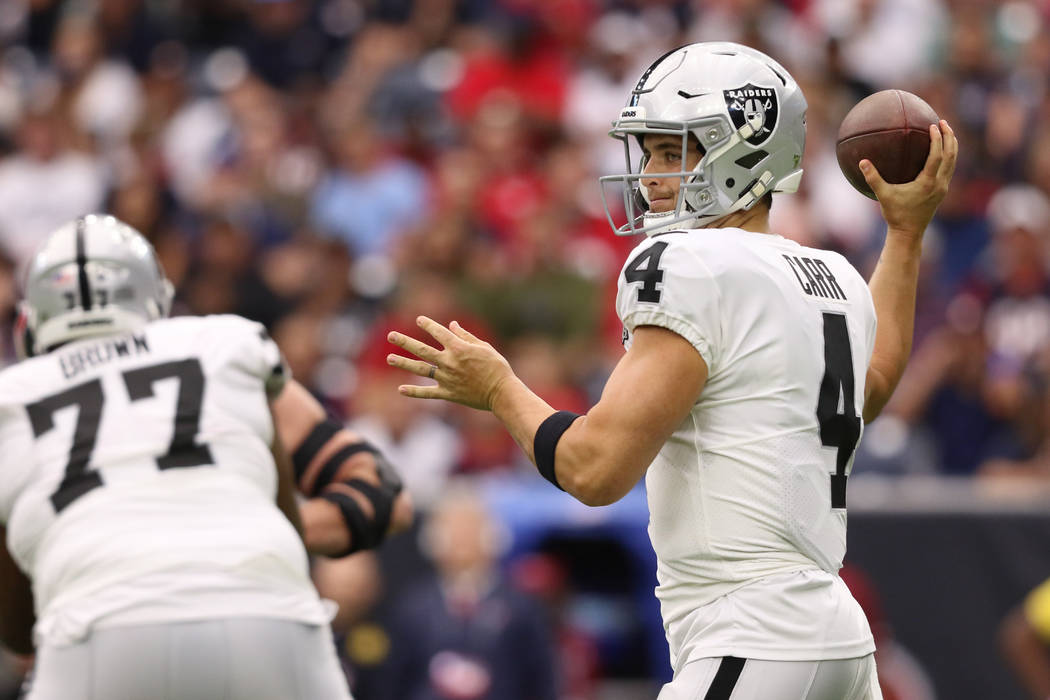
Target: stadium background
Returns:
[[332, 168]]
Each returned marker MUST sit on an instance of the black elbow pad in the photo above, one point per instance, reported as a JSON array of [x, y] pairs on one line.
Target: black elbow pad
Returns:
[[366, 531]]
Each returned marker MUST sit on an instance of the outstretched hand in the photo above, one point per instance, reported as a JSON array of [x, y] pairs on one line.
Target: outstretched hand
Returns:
[[467, 369], [909, 207]]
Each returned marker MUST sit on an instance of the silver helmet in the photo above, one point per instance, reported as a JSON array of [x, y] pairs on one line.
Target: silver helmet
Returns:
[[93, 276], [747, 114]]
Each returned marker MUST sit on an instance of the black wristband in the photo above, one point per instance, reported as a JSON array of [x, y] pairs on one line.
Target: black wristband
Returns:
[[545, 443]]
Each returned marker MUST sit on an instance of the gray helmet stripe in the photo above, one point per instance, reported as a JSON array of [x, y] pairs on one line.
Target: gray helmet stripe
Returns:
[[85, 287]]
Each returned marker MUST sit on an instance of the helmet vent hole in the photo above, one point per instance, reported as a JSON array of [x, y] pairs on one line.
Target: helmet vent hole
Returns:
[[730, 182], [751, 159]]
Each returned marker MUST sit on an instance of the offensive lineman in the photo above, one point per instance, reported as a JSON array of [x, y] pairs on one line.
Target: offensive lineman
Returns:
[[143, 459], [752, 363]]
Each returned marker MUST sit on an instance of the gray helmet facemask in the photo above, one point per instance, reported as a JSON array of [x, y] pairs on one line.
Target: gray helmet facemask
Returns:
[[93, 276]]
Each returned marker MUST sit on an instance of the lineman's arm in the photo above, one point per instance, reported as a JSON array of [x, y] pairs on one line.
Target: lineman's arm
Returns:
[[327, 461], [16, 603], [907, 209], [286, 483], [603, 453]]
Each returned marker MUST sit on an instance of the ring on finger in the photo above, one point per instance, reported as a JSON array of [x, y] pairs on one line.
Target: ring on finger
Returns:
[[431, 371]]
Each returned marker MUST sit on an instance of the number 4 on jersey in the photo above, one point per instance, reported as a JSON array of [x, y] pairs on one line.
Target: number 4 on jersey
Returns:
[[841, 430], [646, 269]]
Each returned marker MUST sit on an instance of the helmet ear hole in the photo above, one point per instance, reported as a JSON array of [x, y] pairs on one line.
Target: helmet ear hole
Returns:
[[730, 182]]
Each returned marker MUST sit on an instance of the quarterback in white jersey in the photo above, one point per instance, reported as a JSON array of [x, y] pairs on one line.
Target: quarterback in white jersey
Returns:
[[143, 487], [751, 485], [752, 364]]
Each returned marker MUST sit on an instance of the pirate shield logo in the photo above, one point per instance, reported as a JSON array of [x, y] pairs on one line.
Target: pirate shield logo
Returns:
[[755, 105]]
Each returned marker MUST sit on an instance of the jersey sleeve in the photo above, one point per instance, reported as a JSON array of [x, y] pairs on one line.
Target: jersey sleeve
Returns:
[[259, 354], [668, 285]]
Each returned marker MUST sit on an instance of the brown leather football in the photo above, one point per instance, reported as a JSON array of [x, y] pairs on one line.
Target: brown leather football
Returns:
[[891, 129]]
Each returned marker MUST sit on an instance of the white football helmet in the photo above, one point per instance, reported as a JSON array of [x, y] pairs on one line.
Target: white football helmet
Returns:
[[93, 276], [748, 115]]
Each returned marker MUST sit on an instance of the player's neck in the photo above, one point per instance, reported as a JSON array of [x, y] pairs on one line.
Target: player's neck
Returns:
[[755, 219]]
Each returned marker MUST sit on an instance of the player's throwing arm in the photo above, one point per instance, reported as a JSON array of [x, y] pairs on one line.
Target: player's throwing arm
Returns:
[[601, 455], [907, 209]]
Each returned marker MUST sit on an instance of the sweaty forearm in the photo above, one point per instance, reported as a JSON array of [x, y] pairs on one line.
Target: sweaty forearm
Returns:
[[521, 412], [577, 469], [893, 288], [602, 454]]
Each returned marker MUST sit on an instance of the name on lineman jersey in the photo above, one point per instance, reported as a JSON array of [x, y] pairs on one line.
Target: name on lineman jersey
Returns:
[[815, 277], [75, 362]]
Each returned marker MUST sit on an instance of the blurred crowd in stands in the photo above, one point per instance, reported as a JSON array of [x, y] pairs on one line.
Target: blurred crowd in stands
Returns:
[[332, 168]]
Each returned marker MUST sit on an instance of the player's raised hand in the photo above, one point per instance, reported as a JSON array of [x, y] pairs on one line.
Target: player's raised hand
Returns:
[[909, 207], [467, 370]]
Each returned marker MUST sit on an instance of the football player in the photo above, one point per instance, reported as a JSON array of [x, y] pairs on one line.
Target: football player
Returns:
[[752, 364], [143, 486]]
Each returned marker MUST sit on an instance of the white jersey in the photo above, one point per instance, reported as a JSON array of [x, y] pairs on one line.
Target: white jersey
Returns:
[[138, 486], [747, 498]]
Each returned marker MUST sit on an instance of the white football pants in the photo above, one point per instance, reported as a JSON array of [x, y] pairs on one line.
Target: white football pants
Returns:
[[730, 678], [233, 659]]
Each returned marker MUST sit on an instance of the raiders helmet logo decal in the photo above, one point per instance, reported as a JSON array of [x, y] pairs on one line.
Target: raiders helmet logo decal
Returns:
[[755, 105]]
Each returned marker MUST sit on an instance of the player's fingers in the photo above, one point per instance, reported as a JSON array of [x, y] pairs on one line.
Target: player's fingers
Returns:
[[416, 391], [436, 330], [951, 151], [458, 331], [416, 347], [872, 176], [463, 332], [417, 367], [933, 161]]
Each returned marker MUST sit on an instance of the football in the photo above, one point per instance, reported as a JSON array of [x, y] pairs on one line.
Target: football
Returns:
[[891, 129]]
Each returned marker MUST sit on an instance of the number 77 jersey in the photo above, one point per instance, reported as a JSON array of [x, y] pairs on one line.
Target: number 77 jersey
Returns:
[[753, 482], [138, 484]]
